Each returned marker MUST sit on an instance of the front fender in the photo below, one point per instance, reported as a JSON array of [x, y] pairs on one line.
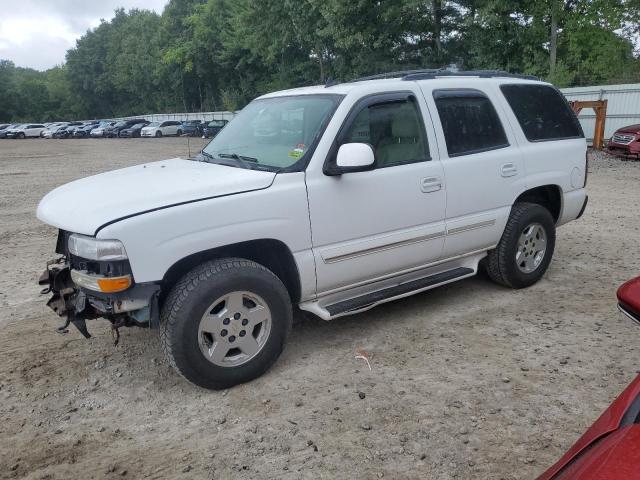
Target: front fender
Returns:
[[156, 240]]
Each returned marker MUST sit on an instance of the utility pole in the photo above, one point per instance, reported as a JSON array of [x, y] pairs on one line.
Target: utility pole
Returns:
[[553, 37]]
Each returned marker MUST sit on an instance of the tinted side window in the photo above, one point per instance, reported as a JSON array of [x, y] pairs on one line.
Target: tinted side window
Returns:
[[542, 112], [469, 122], [393, 129]]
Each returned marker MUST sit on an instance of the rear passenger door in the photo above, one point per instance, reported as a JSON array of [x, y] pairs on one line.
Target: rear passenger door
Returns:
[[482, 165], [172, 127]]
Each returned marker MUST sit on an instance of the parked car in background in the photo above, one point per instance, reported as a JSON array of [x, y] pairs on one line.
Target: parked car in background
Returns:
[[192, 128], [212, 128], [27, 130], [159, 129], [5, 130], [100, 130], [114, 130], [134, 130], [83, 130], [4, 125], [625, 142], [71, 129], [610, 449], [62, 132], [49, 132], [66, 131]]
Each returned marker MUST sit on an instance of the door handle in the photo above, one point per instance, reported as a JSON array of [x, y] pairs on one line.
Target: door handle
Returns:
[[508, 170], [430, 184]]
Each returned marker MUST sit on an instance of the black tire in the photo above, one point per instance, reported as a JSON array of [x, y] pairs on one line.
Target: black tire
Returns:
[[179, 133], [501, 265], [21, 135], [158, 134], [192, 296]]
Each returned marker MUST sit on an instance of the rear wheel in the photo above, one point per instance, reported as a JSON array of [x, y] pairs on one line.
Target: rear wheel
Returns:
[[225, 322], [179, 133], [525, 249], [158, 134], [21, 135]]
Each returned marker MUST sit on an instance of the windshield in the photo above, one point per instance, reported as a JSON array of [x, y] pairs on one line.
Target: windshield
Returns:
[[273, 133], [154, 124], [120, 124], [216, 123]]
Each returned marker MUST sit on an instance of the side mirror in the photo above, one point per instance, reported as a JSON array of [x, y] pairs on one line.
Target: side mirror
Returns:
[[353, 157]]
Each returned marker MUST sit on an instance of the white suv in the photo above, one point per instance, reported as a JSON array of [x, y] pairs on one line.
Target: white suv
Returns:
[[158, 129], [333, 199], [26, 130]]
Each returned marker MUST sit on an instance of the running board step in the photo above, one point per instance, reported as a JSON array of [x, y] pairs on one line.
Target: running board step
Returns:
[[375, 297]]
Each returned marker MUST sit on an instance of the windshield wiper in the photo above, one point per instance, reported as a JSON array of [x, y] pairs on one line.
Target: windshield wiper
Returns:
[[235, 156], [242, 161]]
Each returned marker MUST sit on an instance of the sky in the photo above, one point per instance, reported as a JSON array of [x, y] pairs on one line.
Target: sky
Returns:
[[37, 33]]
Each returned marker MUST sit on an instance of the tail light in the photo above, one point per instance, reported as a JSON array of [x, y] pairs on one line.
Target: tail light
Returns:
[[587, 156]]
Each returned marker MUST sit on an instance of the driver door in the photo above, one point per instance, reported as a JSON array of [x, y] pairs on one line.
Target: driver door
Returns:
[[378, 223]]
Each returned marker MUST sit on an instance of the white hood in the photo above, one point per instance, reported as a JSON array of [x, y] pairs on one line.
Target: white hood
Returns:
[[83, 206]]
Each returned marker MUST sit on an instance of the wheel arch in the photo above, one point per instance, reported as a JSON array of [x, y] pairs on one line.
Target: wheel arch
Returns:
[[547, 196], [270, 253]]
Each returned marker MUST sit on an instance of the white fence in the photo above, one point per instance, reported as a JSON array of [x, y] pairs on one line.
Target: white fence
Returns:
[[623, 106], [183, 117]]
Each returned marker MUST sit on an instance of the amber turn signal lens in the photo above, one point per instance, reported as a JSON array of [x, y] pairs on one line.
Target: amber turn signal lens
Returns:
[[114, 284]]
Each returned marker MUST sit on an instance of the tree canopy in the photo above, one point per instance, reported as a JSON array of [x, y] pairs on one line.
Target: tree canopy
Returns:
[[203, 55]]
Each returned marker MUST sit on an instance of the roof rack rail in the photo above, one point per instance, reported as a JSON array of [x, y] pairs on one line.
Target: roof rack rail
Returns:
[[470, 73], [398, 74], [431, 73]]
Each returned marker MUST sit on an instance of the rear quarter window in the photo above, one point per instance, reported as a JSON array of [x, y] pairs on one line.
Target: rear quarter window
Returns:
[[542, 112]]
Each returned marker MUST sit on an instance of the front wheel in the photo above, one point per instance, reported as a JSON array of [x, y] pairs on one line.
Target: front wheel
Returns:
[[225, 322], [158, 134], [179, 133], [21, 135], [525, 249]]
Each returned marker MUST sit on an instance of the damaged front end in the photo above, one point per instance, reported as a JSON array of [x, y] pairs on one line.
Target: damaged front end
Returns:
[[67, 300], [97, 285]]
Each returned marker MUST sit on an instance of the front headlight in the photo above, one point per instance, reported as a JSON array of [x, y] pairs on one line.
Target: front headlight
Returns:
[[96, 249]]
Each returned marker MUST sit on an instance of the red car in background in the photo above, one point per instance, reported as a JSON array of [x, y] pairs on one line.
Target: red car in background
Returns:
[[610, 449], [625, 142]]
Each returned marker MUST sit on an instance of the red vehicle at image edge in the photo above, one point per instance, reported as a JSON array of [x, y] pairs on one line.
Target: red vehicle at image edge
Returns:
[[625, 142], [610, 449]]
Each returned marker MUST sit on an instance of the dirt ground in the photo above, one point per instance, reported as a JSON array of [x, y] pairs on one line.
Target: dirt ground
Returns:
[[470, 380]]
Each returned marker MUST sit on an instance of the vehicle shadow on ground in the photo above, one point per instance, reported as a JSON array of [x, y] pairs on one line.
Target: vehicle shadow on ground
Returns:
[[310, 334]]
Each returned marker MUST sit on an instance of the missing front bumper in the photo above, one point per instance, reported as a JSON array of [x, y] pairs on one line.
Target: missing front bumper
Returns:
[[136, 306]]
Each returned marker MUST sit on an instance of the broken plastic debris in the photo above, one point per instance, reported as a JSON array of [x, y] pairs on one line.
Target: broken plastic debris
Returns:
[[360, 353]]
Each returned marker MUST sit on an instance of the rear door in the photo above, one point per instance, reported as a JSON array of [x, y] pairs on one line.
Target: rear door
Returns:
[[35, 130], [552, 142], [170, 128], [482, 165]]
